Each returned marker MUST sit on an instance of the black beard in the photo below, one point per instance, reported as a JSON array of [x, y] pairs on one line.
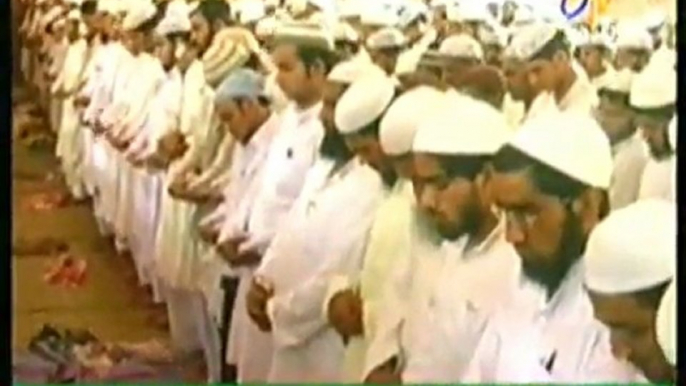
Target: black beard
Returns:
[[571, 248], [333, 147]]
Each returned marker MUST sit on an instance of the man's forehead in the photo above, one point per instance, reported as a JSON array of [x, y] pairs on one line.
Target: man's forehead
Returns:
[[513, 187]]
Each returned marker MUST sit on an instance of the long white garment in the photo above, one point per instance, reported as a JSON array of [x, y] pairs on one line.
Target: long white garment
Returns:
[[408, 289], [535, 340], [68, 147], [291, 154], [658, 179], [308, 256], [456, 316], [604, 78], [389, 244], [630, 159], [245, 339], [58, 53]]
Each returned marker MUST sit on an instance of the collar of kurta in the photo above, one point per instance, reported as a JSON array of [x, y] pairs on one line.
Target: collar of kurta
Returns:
[[306, 115], [581, 91]]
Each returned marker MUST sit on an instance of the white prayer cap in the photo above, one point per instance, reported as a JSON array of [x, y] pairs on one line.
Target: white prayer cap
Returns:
[[597, 40], [469, 12], [666, 324], [634, 37], [461, 125], [619, 81], [523, 15], [654, 87], [350, 70], [493, 35], [74, 14], [251, 11], [345, 32], [633, 249], [176, 19], [363, 102], [378, 16], [266, 27], [349, 8], [296, 7], [304, 33], [654, 19], [399, 125], [389, 37], [108, 6], [571, 143], [271, 3], [242, 83], [139, 13], [671, 132], [438, 3], [408, 61], [461, 46], [528, 40]]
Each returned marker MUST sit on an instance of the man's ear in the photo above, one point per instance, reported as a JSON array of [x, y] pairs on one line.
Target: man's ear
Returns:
[[588, 207]]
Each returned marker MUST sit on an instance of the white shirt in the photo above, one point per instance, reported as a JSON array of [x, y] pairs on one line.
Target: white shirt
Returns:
[[472, 284], [535, 340], [292, 153], [658, 179], [323, 240], [630, 158], [582, 96]]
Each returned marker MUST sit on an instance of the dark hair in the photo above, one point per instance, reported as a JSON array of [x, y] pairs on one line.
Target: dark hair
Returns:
[[652, 297], [664, 113], [313, 56], [215, 10], [89, 7], [464, 166], [149, 25], [559, 42], [546, 179]]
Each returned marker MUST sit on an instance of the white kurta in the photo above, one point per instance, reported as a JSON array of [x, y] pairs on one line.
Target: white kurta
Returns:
[[305, 260], [630, 159], [409, 289], [58, 53], [658, 179], [534, 340], [290, 155], [68, 147], [456, 316], [389, 244]]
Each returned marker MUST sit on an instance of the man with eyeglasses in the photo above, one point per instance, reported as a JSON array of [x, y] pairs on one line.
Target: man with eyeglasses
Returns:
[[550, 182]]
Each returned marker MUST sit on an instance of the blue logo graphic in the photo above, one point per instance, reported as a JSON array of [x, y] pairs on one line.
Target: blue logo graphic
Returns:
[[572, 14]]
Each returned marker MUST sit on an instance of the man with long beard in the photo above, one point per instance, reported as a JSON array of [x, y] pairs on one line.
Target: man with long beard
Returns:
[[551, 198]]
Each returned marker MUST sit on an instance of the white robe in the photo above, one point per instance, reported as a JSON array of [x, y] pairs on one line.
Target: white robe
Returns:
[[58, 54], [630, 159], [464, 297], [389, 244], [68, 147], [658, 180], [291, 154], [534, 340], [309, 255]]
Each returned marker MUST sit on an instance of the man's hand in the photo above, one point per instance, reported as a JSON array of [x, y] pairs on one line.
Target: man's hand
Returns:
[[228, 249], [345, 314], [385, 374], [173, 145], [177, 188], [82, 101], [249, 258], [209, 234], [256, 302]]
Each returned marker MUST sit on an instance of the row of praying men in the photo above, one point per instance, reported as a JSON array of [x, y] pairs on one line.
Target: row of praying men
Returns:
[[404, 192]]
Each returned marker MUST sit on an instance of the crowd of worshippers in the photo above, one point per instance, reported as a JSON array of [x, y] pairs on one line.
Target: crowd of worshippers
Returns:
[[401, 191]]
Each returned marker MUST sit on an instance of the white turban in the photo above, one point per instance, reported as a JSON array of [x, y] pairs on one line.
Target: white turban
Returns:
[[399, 125], [461, 46], [108, 6], [251, 11], [571, 143], [461, 125], [666, 324], [530, 39], [350, 70], [386, 38], [140, 12], [363, 102], [654, 87], [345, 32], [633, 249]]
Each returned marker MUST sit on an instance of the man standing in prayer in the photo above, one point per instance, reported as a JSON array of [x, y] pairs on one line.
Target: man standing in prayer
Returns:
[[617, 119], [552, 198], [630, 262]]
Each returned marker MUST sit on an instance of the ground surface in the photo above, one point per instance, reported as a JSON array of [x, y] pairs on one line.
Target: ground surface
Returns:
[[110, 303]]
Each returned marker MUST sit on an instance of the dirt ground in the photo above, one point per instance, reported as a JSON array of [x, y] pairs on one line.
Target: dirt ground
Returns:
[[110, 303]]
